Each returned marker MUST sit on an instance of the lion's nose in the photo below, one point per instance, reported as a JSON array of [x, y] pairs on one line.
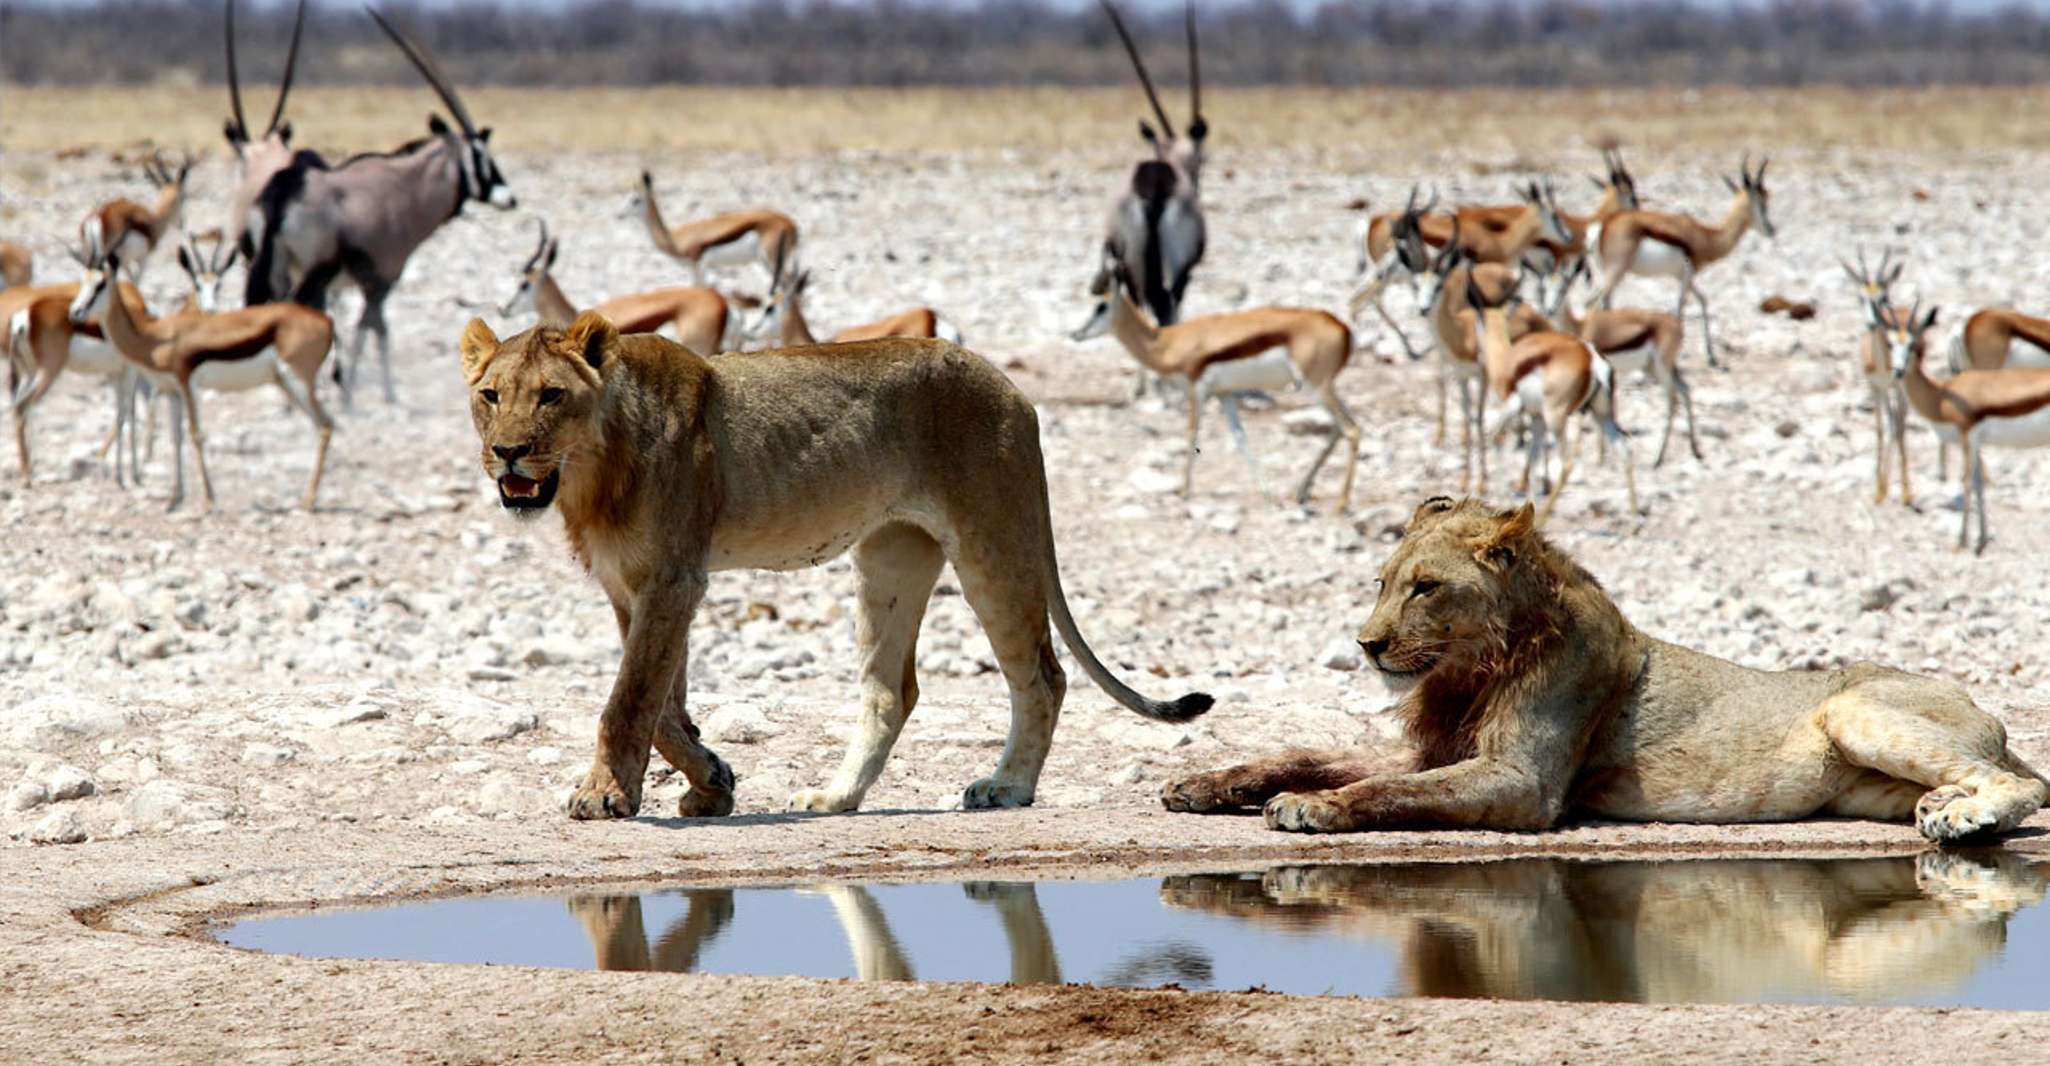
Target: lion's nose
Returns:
[[511, 452], [1373, 648]]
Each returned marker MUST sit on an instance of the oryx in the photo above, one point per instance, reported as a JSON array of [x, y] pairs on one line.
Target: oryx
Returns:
[[366, 215], [261, 157], [1157, 219]]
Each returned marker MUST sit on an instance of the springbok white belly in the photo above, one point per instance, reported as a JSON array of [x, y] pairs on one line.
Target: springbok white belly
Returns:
[[237, 375], [1530, 392], [1658, 259], [91, 356], [1631, 360], [744, 251], [2023, 354], [1270, 371], [2031, 430]]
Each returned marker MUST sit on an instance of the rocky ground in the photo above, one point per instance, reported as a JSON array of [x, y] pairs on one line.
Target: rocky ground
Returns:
[[182, 688]]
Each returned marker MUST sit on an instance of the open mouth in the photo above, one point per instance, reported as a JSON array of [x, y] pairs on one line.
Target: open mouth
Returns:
[[519, 493]]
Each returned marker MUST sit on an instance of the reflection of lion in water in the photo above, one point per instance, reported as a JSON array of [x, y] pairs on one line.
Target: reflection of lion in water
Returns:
[[1529, 695], [1716, 931]]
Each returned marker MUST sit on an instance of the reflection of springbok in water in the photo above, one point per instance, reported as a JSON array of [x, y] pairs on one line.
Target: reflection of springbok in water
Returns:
[[1700, 931], [619, 939]]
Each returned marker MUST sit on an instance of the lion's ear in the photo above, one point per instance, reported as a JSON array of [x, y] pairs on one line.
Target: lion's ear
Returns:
[[1429, 509], [1501, 550], [477, 346], [591, 337]]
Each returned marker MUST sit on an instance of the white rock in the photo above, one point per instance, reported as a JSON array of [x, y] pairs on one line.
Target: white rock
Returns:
[[1154, 482], [484, 721], [502, 795], [1307, 422], [468, 766], [266, 755], [1342, 654], [739, 723], [56, 719], [27, 795], [1128, 731], [68, 782], [165, 803], [60, 826]]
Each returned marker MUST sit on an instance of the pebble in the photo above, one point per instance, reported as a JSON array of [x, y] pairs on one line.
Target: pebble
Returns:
[[61, 826], [68, 782], [1342, 653]]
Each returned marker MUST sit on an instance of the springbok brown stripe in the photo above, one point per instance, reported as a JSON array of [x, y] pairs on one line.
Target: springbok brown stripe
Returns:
[[1252, 345]]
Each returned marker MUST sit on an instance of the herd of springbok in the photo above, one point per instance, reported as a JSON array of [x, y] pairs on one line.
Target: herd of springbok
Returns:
[[301, 224]]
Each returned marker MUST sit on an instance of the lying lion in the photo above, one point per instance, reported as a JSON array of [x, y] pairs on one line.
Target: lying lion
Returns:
[[1528, 696], [665, 466]]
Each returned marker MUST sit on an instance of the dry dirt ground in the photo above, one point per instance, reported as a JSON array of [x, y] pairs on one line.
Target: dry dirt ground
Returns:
[[392, 695]]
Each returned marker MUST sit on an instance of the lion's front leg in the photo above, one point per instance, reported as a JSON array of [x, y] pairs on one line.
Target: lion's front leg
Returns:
[[655, 647], [1254, 783], [1476, 794]]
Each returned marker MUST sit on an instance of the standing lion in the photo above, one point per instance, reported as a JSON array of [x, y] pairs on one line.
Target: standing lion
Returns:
[[1528, 696], [666, 466]]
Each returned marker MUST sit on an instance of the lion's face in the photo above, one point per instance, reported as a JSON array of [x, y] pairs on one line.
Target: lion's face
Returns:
[[534, 400], [1442, 601]]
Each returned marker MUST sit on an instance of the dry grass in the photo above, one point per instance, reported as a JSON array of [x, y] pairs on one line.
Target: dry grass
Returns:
[[1337, 125]]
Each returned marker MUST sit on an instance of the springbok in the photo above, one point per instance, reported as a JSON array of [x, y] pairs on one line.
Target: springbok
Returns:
[[1987, 340], [1157, 218], [1265, 348], [701, 317], [2007, 408], [1459, 355], [261, 157], [279, 344], [42, 343], [1875, 365], [783, 317], [761, 236], [129, 231], [1658, 244], [1634, 340], [1548, 377], [366, 215], [17, 265]]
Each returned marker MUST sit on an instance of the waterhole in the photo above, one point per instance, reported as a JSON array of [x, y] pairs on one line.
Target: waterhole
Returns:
[[1939, 929]]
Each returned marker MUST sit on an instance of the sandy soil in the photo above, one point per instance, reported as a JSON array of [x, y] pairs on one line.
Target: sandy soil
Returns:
[[392, 696]]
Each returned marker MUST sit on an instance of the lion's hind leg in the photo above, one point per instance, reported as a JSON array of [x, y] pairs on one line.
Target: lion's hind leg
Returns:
[[1006, 588], [1929, 733], [896, 566], [1251, 785]]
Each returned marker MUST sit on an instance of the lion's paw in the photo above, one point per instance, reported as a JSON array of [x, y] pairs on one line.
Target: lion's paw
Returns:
[[994, 792], [601, 796], [698, 803], [1954, 812], [1306, 812], [822, 801], [1203, 793]]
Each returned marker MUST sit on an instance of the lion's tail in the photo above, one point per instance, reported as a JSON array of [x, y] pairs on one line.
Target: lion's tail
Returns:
[[1180, 710]]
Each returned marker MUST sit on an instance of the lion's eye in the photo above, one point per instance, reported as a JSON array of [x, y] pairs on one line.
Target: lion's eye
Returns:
[[1423, 588], [490, 396], [550, 397]]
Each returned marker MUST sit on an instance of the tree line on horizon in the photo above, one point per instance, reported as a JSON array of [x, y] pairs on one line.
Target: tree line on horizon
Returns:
[[1402, 43]]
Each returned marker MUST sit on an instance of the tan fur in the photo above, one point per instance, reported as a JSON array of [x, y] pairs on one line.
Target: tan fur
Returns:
[[43, 352], [17, 265], [698, 314], [1709, 931], [1456, 327], [129, 231], [794, 330], [1965, 406], [1625, 234], [666, 466], [1199, 350], [1569, 374], [687, 243], [1634, 339], [1529, 698], [172, 349]]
